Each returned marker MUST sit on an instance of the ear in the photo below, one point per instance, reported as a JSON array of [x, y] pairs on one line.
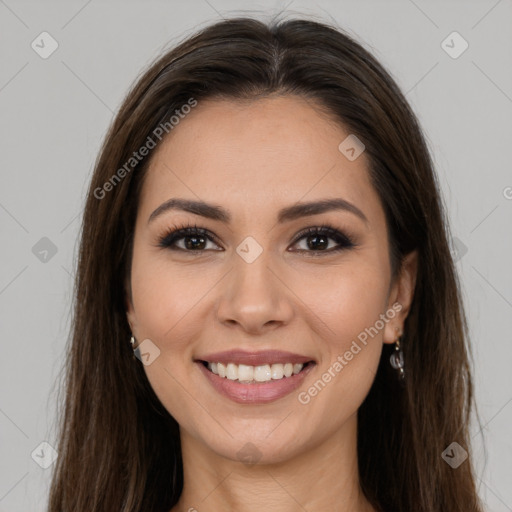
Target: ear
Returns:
[[130, 311], [401, 296]]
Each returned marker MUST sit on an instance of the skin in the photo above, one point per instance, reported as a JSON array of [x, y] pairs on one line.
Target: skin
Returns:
[[254, 158]]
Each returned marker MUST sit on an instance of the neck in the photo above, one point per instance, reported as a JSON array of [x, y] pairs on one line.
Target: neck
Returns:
[[321, 477]]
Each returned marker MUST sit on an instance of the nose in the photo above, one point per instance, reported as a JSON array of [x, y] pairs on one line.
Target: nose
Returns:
[[254, 297]]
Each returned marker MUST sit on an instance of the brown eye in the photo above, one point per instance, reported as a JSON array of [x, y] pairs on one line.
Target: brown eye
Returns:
[[319, 239], [194, 239]]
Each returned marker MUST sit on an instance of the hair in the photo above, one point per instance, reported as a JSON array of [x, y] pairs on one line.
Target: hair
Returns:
[[119, 448]]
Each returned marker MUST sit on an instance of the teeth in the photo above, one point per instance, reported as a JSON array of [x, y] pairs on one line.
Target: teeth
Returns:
[[262, 373], [277, 371], [245, 373], [231, 371]]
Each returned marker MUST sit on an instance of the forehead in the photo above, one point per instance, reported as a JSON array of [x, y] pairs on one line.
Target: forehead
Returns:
[[256, 154]]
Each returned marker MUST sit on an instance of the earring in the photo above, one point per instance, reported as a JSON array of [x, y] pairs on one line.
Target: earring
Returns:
[[397, 358], [132, 341]]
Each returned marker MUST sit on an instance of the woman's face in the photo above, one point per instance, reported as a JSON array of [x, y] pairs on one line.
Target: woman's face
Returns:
[[252, 283]]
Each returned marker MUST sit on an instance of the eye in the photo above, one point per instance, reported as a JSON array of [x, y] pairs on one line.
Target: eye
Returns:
[[195, 239], [317, 240]]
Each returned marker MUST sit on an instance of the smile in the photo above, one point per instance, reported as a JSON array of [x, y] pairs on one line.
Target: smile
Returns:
[[266, 383], [250, 374]]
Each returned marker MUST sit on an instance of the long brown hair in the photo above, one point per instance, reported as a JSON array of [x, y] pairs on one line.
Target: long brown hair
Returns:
[[119, 448]]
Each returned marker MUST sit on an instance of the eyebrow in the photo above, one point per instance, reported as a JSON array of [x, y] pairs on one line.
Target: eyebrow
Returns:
[[296, 211]]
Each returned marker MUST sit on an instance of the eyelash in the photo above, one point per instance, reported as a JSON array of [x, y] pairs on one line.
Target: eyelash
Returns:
[[177, 232]]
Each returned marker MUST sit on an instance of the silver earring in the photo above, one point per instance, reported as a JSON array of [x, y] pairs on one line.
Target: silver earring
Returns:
[[397, 359], [132, 341]]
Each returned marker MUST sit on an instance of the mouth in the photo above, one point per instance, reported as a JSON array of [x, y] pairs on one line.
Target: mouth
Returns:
[[248, 374], [271, 376]]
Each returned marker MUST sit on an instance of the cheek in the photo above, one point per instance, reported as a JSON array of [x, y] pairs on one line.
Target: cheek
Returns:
[[348, 304], [359, 302], [347, 299], [165, 302], [351, 305], [165, 296]]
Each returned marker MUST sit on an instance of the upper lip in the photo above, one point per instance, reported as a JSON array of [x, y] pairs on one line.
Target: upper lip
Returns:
[[255, 358]]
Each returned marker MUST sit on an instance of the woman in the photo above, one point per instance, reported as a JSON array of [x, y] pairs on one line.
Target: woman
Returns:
[[267, 315]]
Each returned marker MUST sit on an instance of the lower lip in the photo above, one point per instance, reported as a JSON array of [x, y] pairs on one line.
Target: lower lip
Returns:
[[256, 393]]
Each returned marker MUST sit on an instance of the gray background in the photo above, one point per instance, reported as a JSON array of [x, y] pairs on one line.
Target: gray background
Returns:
[[55, 112]]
